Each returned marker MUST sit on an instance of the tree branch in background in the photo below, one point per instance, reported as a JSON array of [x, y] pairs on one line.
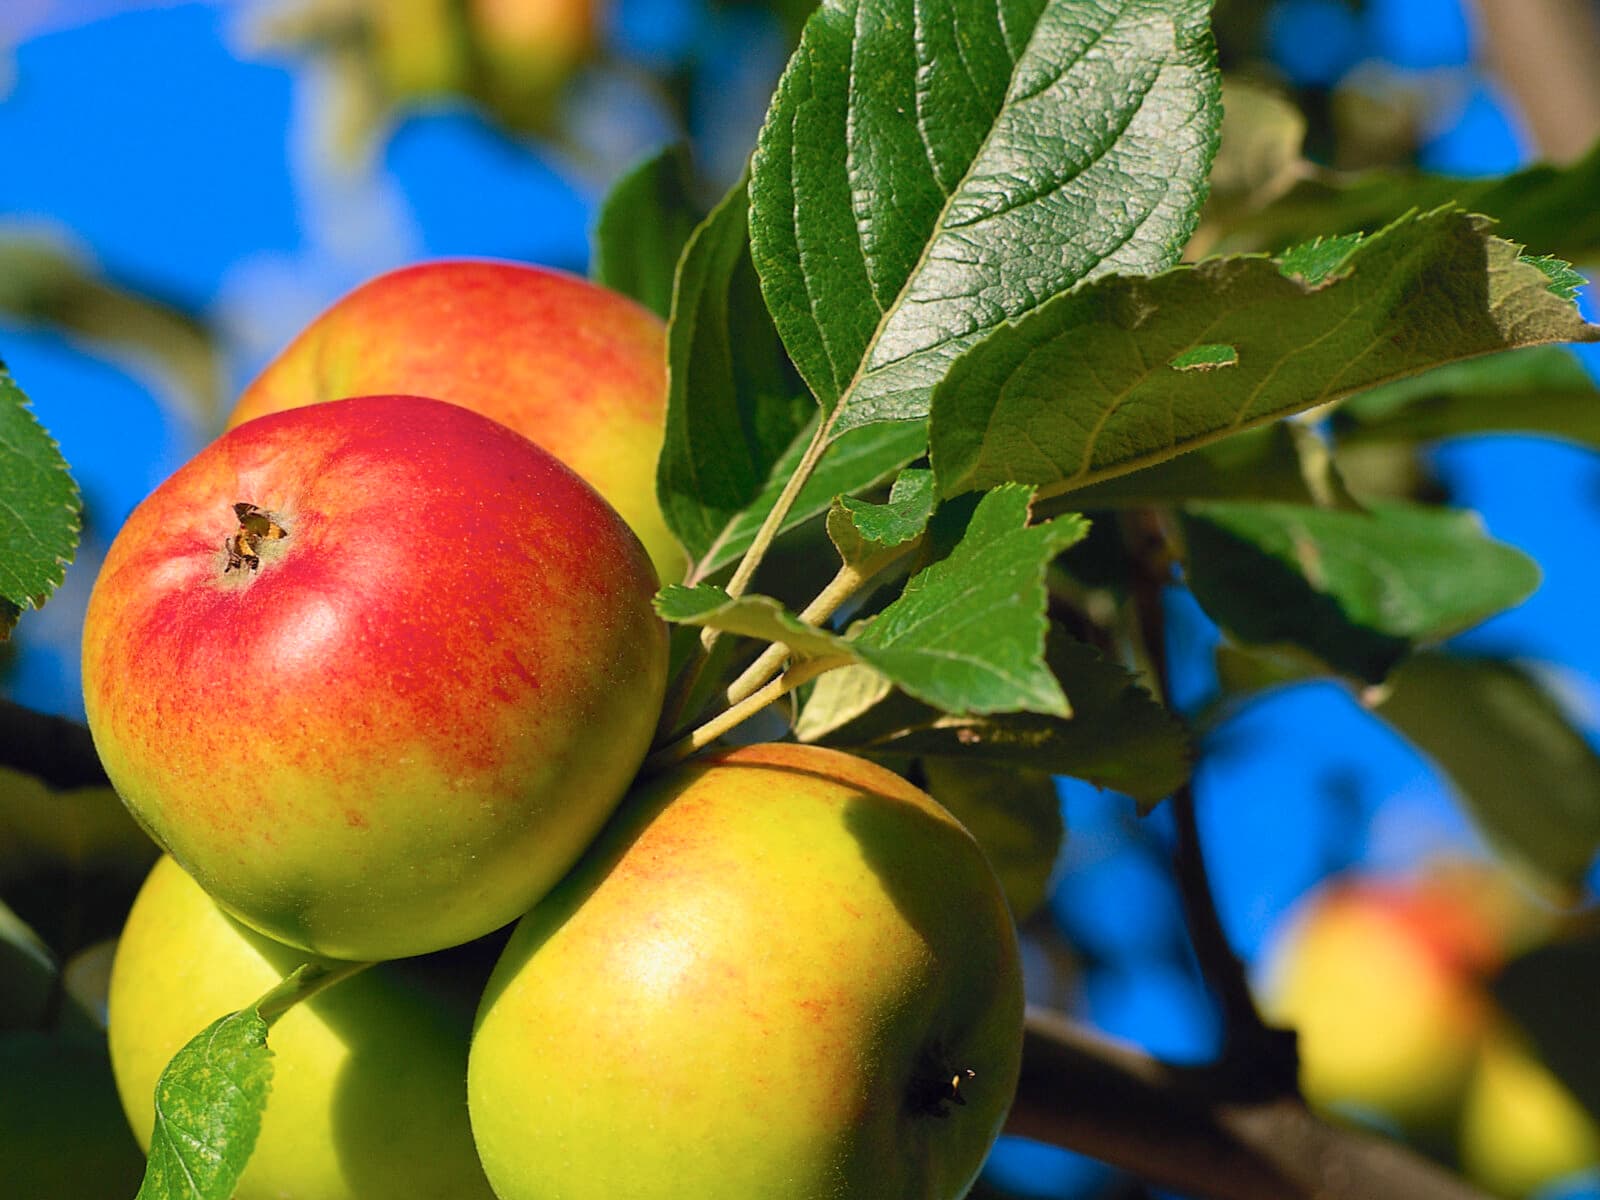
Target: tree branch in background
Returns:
[[1545, 52], [1261, 1061], [1187, 1129]]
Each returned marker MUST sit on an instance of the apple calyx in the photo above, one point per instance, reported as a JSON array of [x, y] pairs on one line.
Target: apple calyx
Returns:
[[936, 1086], [243, 546]]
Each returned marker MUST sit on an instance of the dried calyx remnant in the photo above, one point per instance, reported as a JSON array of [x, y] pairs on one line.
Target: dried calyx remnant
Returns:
[[244, 544], [936, 1086]]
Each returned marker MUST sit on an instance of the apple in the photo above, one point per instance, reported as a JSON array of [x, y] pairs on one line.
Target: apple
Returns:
[[368, 1093], [1384, 981], [573, 366], [374, 671], [1521, 1129], [781, 972], [528, 50]]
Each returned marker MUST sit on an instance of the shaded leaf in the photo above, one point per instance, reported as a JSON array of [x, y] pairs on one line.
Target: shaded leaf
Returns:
[[1015, 815], [1082, 388], [733, 403], [869, 535], [644, 222], [1259, 155], [1357, 589], [967, 634], [926, 173], [1258, 464], [28, 974], [40, 512], [1528, 777], [1543, 389], [1118, 736], [209, 1102]]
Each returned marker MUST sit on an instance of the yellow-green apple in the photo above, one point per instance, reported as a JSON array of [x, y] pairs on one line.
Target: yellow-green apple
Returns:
[[1384, 982], [368, 1094], [1521, 1129], [573, 366], [782, 972], [374, 671]]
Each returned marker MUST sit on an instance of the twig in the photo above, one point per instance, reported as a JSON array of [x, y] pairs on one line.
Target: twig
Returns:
[[1262, 1059], [1185, 1128]]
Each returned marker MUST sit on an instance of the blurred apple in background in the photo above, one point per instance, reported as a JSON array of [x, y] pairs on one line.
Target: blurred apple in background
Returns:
[[1385, 982], [575, 367], [368, 1097]]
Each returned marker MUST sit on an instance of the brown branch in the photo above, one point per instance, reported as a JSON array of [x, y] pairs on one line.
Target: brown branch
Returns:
[[1259, 1058], [1186, 1129]]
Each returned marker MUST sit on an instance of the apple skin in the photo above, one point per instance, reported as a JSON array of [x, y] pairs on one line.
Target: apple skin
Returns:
[[1521, 1129], [575, 367], [368, 1094], [740, 990], [402, 728], [1384, 982]]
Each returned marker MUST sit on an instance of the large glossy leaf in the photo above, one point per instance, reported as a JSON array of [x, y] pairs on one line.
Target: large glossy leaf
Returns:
[[1527, 776], [1105, 380], [927, 172], [40, 513], [1357, 589], [733, 404]]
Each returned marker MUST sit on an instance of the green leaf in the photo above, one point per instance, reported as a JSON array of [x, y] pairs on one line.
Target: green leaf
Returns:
[[1258, 464], [1118, 736], [644, 222], [40, 513], [1528, 777], [927, 173], [869, 535], [1357, 589], [759, 617], [1548, 206], [1015, 815], [967, 634], [209, 1102], [733, 403], [860, 459], [1543, 389], [1564, 281], [1083, 389], [28, 974]]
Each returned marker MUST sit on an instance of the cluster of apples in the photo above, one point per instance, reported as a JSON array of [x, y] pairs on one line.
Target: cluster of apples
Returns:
[[378, 669], [1386, 982]]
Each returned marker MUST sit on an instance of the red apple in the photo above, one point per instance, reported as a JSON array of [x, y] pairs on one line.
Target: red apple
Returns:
[[577, 368], [382, 710]]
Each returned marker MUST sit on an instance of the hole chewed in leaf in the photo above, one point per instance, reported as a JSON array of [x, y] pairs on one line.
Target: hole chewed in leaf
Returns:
[[1206, 358]]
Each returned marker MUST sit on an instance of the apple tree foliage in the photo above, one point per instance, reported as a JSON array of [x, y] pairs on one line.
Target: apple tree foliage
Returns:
[[999, 290]]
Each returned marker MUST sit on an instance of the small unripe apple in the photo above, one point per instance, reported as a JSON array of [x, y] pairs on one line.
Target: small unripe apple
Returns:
[[782, 972], [368, 1094], [1383, 983], [374, 671], [568, 364], [528, 49], [1521, 1129]]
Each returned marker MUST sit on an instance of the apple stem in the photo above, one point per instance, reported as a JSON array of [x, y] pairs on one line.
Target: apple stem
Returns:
[[828, 601], [303, 983], [737, 714]]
